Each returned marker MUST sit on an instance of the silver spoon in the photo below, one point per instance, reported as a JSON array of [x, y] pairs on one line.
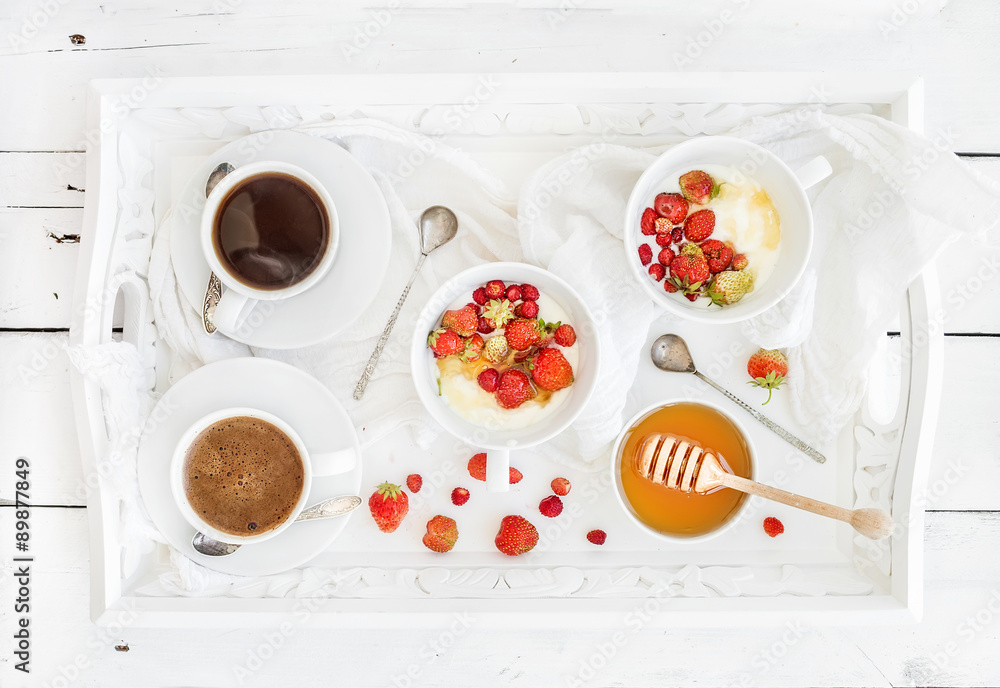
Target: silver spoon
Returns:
[[328, 508], [438, 226], [671, 353], [213, 291]]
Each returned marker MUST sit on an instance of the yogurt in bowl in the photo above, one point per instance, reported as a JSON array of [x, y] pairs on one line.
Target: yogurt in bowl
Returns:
[[449, 386], [459, 386], [746, 236]]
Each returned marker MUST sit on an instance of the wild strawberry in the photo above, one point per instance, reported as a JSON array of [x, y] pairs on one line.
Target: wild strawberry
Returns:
[[672, 206], [699, 225], [692, 296], [773, 526], [479, 296], [718, 255], [477, 466], [484, 326], [514, 293], [459, 496], [657, 271], [698, 187], [665, 256], [526, 309], [597, 537], [388, 505], [441, 535], [664, 240], [473, 349], [768, 368], [689, 272], [516, 536], [646, 225], [522, 333], [565, 335], [462, 322], [444, 343], [561, 486], [498, 312], [551, 506], [670, 287], [645, 254], [477, 469], [551, 371], [663, 226], [495, 289], [677, 234], [496, 349], [488, 379], [740, 262], [514, 389], [414, 482], [729, 286], [529, 293]]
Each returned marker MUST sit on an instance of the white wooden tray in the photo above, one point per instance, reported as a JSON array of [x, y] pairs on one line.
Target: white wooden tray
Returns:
[[146, 136]]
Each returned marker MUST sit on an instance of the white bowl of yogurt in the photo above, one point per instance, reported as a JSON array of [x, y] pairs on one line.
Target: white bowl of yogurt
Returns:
[[470, 413], [762, 210]]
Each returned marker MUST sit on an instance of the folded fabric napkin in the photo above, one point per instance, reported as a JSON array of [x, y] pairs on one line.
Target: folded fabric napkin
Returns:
[[569, 219]]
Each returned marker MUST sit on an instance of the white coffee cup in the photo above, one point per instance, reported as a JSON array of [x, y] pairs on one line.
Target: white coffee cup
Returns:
[[240, 299], [314, 463]]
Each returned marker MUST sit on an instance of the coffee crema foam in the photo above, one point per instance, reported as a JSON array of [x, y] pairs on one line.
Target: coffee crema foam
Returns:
[[243, 476]]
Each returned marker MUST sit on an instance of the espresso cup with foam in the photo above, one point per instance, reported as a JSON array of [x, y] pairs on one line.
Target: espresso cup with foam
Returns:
[[242, 475], [269, 231]]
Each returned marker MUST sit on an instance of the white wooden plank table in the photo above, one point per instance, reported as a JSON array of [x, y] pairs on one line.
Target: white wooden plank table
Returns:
[[42, 160]]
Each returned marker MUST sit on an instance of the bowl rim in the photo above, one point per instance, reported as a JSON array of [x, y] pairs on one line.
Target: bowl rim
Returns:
[[418, 350], [619, 492], [713, 317]]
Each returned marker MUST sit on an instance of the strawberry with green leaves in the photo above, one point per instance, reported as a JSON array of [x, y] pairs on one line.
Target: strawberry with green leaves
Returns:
[[498, 312], [445, 342], [522, 333], [768, 368], [388, 505], [730, 286], [689, 270]]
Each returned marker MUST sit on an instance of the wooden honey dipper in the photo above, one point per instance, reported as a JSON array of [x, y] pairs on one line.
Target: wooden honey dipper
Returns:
[[685, 465]]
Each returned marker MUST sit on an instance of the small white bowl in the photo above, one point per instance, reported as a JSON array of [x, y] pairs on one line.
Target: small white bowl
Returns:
[[501, 441], [623, 500], [787, 191]]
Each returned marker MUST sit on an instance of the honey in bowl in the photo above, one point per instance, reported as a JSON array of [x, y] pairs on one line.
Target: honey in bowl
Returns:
[[673, 512]]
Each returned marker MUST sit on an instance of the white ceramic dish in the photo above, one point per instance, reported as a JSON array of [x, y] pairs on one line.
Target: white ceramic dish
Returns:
[[314, 463], [500, 441], [357, 270], [271, 386], [787, 191], [623, 502], [239, 299]]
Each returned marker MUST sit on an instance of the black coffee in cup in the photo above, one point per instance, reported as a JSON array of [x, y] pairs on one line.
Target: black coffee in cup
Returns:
[[271, 231], [243, 476]]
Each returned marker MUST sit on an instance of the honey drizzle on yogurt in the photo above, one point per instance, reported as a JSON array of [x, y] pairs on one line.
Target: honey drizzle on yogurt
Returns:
[[454, 365]]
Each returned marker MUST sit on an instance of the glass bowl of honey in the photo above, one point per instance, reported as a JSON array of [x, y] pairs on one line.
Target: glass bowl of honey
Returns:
[[672, 514]]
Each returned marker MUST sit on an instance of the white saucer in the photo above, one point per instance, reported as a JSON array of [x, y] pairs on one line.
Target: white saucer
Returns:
[[271, 386], [362, 258]]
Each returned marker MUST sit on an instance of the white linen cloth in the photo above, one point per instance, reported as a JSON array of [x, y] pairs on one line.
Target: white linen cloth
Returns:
[[864, 258]]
